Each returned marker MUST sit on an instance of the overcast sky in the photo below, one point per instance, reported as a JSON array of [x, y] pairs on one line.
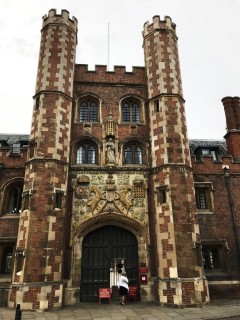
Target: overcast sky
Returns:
[[209, 49]]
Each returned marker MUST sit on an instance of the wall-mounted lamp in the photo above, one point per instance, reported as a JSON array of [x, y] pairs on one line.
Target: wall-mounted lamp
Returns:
[[226, 170]]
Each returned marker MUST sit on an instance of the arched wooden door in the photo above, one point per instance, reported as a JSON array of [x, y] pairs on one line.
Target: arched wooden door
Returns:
[[100, 247]]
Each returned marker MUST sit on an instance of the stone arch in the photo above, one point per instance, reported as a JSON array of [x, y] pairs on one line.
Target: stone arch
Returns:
[[115, 219], [90, 139], [135, 98], [5, 189], [105, 219], [92, 96]]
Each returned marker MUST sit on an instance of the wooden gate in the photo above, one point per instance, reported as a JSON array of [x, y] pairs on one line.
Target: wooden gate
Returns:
[[100, 248]]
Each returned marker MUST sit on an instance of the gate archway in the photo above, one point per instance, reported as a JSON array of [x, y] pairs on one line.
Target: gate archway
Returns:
[[99, 249]]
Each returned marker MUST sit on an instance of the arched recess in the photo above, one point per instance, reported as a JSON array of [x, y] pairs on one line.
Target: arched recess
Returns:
[[88, 109], [132, 110], [138, 151], [99, 241], [86, 141], [102, 250], [11, 195]]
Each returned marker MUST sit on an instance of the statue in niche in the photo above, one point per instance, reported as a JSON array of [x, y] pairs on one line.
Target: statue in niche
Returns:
[[110, 152]]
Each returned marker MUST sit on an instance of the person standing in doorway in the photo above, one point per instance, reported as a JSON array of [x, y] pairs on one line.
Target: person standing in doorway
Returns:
[[123, 288]]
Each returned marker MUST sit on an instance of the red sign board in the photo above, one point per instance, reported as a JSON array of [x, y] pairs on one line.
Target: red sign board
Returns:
[[143, 270], [104, 293], [132, 292]]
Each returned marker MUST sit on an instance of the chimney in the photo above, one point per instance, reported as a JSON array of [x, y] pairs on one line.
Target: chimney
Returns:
[[232, 114]]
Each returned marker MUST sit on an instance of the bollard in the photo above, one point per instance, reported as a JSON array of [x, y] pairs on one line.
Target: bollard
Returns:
[[18, 314]]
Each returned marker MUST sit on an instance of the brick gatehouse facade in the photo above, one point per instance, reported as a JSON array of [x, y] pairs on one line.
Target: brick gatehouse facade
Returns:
[[107, 180]]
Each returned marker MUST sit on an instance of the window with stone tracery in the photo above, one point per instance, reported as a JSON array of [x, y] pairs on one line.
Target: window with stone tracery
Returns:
[[13, 198], [86, 153], [131, 111], [88, 109], [133, 154]]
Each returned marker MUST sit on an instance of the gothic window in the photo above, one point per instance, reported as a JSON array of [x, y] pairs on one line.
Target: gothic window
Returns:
[[86, 153], [131, 111], [204, 197], [13, 198], [88, 110], [133, 154]]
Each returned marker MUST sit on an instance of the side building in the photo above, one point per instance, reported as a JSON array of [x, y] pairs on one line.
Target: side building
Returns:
[[107, 181]]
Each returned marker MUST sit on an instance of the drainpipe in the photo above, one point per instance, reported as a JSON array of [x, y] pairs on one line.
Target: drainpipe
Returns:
[[231, 204]]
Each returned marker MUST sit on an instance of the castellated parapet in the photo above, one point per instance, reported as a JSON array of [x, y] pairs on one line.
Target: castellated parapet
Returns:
[[101, 74], [53, 18], [159, 24]]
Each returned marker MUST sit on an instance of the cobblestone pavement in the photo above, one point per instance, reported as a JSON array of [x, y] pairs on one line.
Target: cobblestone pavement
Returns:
[[223, 309]]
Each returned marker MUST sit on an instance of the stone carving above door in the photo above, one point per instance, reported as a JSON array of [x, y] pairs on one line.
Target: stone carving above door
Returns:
[[114, 195]]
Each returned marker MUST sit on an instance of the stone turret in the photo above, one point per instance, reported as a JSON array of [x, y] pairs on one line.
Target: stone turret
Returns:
[[38, 280], [177, 242]]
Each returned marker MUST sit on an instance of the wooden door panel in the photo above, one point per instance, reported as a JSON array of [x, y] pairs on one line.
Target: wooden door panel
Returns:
[[100, 247]]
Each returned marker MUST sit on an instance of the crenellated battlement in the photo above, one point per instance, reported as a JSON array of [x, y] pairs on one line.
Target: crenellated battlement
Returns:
[[158, 24], [119, 74], [62, 18], [207, 165], [116, 69]]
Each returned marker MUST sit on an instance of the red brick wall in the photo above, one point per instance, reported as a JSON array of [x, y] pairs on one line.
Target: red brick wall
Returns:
[[219, 224]]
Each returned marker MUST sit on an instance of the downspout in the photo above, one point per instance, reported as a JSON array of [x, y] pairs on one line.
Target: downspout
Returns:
[[231, 204]]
